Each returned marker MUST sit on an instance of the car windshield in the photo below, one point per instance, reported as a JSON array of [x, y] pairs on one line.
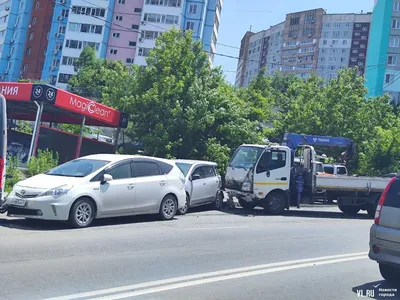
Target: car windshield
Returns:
[[78, 168], [184, 167], [246, 157]]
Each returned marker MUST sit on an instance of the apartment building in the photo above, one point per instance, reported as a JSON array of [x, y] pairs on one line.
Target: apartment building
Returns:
[[383, 60], [75, 25], [124, 34], [344, 42], [306, 42], [41, 39], [243, 55], [33, 57], [14, 22]]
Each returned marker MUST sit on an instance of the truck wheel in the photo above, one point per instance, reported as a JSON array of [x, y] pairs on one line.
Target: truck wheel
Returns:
[[390, 273], [349, 210], [246, 205], [274, 204], [371, 208]]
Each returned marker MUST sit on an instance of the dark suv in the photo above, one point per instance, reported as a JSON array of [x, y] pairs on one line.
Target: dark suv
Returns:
[[385, 233]]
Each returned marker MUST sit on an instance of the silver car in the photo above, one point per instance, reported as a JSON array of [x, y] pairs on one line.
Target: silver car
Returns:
[[202, 184], [385, 233]]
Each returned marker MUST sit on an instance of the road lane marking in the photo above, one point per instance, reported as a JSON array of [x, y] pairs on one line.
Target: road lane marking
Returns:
[[216, 228], [204, 275], [223, 278]]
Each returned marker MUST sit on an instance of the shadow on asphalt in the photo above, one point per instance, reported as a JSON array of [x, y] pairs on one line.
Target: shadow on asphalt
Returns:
[[42, 225], [377, 290], [305, 212]]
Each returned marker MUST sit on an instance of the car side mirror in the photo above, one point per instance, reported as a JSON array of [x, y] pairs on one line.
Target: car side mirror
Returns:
[[195, 177], [106, 178]]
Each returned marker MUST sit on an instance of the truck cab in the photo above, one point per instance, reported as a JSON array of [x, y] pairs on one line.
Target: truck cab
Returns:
[[263, 175]]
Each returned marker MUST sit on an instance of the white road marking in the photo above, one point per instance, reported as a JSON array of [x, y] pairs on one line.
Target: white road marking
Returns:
[[216, 274], [216, 228], [223, 278]]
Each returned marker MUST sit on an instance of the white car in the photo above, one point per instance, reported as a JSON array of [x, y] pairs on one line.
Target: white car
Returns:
[[101, 186], [202, 184]]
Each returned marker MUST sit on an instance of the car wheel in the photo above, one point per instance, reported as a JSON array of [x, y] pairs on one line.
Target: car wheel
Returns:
[[274, 204], [184, 210], [390, 273], [349, 210], [168, 208], [82, 213], [219, 200]]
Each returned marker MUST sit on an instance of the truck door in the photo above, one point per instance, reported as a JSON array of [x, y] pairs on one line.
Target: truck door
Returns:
[[272, 172]]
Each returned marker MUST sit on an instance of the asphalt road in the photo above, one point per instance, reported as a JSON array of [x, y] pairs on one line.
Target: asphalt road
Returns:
[[312, 253]]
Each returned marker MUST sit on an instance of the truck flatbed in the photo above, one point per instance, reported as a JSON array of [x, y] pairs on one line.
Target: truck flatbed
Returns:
[[351, 183]]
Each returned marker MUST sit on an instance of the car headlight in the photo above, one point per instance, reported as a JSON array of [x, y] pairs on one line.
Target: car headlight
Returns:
[[56, 192], [246, 186]]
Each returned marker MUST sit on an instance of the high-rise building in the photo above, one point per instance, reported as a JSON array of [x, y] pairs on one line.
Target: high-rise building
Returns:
[[306, 42], [383, 60], [15, 23], [41, 39]]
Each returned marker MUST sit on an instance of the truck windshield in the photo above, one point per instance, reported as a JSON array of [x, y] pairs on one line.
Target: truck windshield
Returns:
[[245, 157], [319, 168]]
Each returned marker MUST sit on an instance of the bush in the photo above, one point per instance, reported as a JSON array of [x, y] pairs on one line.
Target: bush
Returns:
[[13, 175], [44, 161]]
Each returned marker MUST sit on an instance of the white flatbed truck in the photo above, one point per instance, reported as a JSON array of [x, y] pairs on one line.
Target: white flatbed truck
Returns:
[[265, 175]]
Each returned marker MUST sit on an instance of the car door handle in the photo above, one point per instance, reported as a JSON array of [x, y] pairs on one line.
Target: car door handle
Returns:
[[130, 186], [283, 178], [204, 183], [162, 183]]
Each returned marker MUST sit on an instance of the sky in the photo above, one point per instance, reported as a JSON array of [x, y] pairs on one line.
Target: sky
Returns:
[[239, 15]]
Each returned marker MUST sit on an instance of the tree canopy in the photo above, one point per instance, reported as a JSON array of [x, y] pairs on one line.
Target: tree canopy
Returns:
[[181, 107]]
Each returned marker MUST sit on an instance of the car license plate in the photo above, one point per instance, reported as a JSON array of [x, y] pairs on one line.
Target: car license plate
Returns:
[[18, 202]]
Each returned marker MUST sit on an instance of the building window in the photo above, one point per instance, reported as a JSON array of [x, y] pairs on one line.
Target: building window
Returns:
[[396, 24], [138, 10], [396, 6], [337, 25], [68, 61], [389, 78], [65, 12], [28, 51], [150, 35], [61, 29], [344, 42], [362, 46], [325, 42], [342, 59], [327, 25], [326, 34], [357, 34], [336, 33], [295, 21], [31, 36], [118, 18], [25, 67], [355, 51], [361, 54], [322, 59], [172, 3], [34, 19], [64, 78], [116, 34], [74, 44], [358, 25], [192, 8], [89, 11], [132, 44], [335, 42], [392, 60], [113, 51], [144, 51], [121, 1], [394, 42], [37, 5], [364, 29], [129, 60], [347, 25], [134, 26], [189, 25], [344, 51]]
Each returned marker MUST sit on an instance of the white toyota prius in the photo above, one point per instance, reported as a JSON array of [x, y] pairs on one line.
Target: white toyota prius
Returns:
[[101, 186]]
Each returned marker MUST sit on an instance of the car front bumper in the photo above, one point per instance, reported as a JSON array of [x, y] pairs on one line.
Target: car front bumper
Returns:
[[45, 209]]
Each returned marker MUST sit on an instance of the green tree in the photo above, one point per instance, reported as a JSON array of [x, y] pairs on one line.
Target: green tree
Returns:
[[183, 108]]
